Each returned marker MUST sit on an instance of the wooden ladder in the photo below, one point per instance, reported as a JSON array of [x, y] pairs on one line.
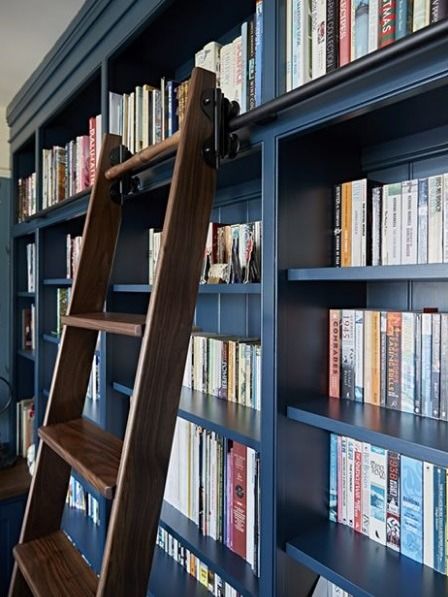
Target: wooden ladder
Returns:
[[132, 473]]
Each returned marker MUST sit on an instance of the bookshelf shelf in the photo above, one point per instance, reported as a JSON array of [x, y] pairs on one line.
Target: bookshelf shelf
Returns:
[[233, 421], [418, 437], [27, 354], [203, 288], [181, 583], [57, 282], [360, 565], [51, 338], [24, 294], [430, 271], [222, 560]]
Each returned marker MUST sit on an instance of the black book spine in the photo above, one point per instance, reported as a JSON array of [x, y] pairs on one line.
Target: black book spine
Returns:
[[438, 10], [337, 230], [332, 37]]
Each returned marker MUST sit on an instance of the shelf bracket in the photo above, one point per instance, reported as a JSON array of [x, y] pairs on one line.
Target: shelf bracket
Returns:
[[220, 111], [127, 183]]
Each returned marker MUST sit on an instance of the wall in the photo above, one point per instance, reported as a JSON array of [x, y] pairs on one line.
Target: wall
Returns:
[[4, 145]]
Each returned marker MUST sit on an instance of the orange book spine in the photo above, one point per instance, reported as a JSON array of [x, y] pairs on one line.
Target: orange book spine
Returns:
[[376, 358], [346, 257], [334, 369]]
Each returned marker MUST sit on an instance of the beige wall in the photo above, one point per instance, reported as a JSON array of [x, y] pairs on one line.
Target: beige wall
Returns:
[[4, 145]]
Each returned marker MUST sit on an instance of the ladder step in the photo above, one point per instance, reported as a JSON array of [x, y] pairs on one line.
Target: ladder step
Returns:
[[52, 567], [92, 452], [127, 324]]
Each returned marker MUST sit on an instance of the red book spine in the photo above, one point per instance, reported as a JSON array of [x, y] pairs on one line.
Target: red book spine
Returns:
[[92, 150], [239, 506], [344, 32], [85, 159], [334, 368], [358, 486], [388, 21]]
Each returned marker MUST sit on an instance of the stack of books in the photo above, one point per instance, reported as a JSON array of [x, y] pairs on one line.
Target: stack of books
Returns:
[[194, 566], [390, 358], [395, 500], [24, 426], [80, 499], [151, 113], [215, 483], [73, 253], [225, 366], [392, 224], [31, 267], [26, 197], [28, 328], [71, 169], [322, 35]]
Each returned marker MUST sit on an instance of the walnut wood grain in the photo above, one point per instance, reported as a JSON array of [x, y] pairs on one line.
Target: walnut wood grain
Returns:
[[146, 450], [126, 324], [52, 567], [144, 157], [48, 490], [92, 452], [14, 481]]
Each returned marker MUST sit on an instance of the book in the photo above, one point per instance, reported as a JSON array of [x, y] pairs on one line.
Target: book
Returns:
[[393, 501], [348, 354], [411, 508], [394, 333], [435, 220], [438, 10], [332, 35], [346, 244], [258, 51], [435, 366], [374, 25], [422, 253], [426, 364], [387, 22], [344, 32], [335, 353], [318, 38], [376, 225], [439, 519], [365, 488], [359, 356], [421, 14], [333, 500], [428, 514], [443, 412], [358, 472], [378, 494], [408, 360], [409, 211], [337, 226], [360, 28]]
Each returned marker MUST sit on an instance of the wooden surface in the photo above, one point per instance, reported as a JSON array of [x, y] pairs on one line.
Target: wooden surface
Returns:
[[52, 567], [147, 445], [127, 324], [144, 157], [14, 481], [92, 452], [49, 486]]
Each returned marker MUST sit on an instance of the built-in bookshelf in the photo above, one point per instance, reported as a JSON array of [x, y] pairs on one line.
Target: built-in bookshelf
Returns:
[[381, 117]]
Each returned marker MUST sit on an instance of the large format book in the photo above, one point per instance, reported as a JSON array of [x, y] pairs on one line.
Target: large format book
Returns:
[[318, 38], [360, 28], [394, 333], [348, 354], [412, 508], [378, 494], [333, 491], [335, 353], [435, 219], [440, 537], [429, 492], [393, 501]]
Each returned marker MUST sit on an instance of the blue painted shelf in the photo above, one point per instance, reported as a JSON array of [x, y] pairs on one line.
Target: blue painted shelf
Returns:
[[418, 437], [429, 271], [27, 354], [180, 583], [222, 560], [231, 420], [361, 566], [88, 537], [51, 338], [24, 294], [57, 282], [203, 288]]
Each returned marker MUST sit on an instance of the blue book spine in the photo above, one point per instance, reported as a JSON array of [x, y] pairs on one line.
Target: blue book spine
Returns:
[[258, 51], [361, 27], [440, 519], [333, 477], [173, 121], [402, 19], [412, 508]]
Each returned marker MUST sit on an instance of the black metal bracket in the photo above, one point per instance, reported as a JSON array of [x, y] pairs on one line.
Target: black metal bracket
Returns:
[[127, 184], [220, 111]]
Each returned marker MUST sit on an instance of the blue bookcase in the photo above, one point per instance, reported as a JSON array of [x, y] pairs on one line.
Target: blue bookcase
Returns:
[[383, 116]]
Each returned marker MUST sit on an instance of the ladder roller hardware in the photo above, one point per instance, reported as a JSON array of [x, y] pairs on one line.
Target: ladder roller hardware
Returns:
[[132, 473]]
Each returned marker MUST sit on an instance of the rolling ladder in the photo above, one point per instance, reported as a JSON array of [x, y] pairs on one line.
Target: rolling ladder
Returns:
[[131, 472]]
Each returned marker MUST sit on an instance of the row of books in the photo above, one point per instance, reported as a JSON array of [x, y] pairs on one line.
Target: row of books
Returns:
[[226, 367], [214, 481], [395, 500], [391, 224], [24, 426], [194, 566], [70, 169], [80, 499], [322, 35], [73, 253], [26, 197], [149, 114], [390, 358], [28, 339], [31, 267]]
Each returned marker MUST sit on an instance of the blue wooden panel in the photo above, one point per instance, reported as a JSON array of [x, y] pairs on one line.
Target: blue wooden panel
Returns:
[[11, 514], [180, 583], [88, 537], [361, 566], [431, 271], [233, 315], [207, 313]]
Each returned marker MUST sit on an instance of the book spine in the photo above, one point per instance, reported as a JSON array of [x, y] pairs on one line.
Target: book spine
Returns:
[[92, 150], [344, 32], [344, 467], [383, 358], [376, 226], [358, 486], [356, 232], [445, 217], [360, 28], [375, 361], [411, 508], [409, 220], [393, 501], [251, 64], [387, 22], [374, 25], [289, 46], [435, 220], [346, 252], [301, 42], [426, 367], [368, 356], [394, 360], [444, 366], [258, 51], [332, 35], [395, 231], [337, 226], [378, 493], [340, 475], [402, 19], [422, 235], [435, 366], [440, 519], [347, 354], [351, 482], [386, 226], [318, 36], [365, 491], [428, 514], [335, 353], [359, 356], [438, 10], [408, 362], [333, 502], [418, 365]]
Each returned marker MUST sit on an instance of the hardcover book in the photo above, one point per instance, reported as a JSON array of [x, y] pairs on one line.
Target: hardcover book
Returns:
[[378, 494], [412, 508], [393, 501]]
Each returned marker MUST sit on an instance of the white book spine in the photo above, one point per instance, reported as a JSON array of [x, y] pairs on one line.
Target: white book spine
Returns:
[[385, 226], [301, 42], [421, 14], [395, 233], [244, 62], [407, 361], [365, 491], [351, 483], [428, 514], [289, 48], [378, 492], [373, 25], [356, 222], [445, 217], [409, 212], [435, 219], [318, 37]]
